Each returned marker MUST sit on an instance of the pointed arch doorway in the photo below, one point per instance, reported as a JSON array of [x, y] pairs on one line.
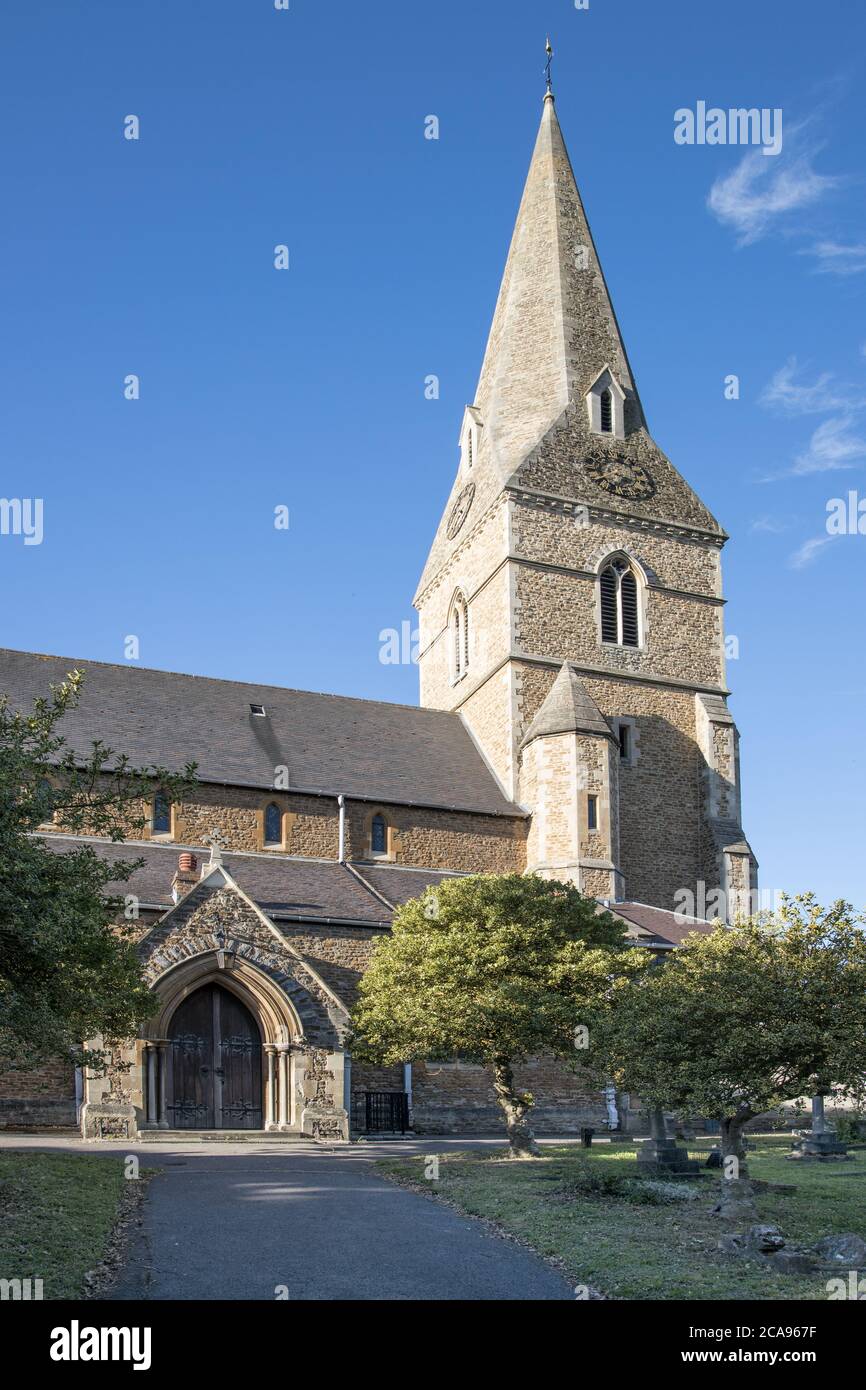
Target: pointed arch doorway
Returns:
[[215, 1063]]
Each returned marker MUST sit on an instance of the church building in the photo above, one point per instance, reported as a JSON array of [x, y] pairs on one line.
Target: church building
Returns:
[[573, 723]]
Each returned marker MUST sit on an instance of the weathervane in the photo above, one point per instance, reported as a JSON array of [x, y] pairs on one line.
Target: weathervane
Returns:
[[549, 51]]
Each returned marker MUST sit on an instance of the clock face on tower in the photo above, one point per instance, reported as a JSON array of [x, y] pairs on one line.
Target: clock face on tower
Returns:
[[621, 477], [460, 511]]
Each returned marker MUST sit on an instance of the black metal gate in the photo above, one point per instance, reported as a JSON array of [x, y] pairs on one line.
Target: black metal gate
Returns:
[[386, 1112]]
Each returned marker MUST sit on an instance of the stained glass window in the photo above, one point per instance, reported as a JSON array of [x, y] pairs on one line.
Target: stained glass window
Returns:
[[379, 835], [273, 825], [161, 814]]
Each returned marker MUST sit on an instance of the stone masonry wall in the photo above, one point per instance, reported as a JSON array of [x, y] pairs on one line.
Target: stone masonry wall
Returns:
[[554, 537], [483, 546], [424, 837], [557, 618], [458, 1098], [661, 825]]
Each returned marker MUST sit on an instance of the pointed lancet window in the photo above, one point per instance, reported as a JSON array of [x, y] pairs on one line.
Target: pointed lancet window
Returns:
[[379, 835], [606, 403], [459, 637]]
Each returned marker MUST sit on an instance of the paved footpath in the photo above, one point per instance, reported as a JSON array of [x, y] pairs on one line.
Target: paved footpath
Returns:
[[238, 1221]]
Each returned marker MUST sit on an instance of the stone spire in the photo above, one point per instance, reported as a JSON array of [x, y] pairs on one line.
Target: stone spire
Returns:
[[555, 338], [554, 328]]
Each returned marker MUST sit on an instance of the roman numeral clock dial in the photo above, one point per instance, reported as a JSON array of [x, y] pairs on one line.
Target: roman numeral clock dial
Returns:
[[621, 477]]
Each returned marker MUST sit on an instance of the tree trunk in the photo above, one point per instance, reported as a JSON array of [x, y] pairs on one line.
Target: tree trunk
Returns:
[[733, 1147], [737, 1202], [515, 1106]]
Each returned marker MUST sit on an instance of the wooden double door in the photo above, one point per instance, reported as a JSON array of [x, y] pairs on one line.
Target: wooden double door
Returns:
[[215, 1071]]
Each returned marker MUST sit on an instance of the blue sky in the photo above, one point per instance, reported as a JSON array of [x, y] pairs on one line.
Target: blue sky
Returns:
[[306, 388]]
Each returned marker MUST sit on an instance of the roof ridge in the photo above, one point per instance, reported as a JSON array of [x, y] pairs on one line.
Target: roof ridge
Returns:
[[220, 680]]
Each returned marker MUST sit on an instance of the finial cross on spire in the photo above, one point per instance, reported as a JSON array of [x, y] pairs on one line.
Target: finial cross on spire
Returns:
[[549, 51], [217, 845]]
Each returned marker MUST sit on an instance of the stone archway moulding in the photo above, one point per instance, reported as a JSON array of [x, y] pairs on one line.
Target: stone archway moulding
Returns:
[[269, 1004]]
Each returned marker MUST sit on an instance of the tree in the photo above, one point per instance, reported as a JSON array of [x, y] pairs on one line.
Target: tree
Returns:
[[495, 968], [67, 972], [745, 1017]]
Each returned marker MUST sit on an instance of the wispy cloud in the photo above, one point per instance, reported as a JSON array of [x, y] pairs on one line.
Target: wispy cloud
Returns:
[[833, 445], [796, 397], [775, 525], [808, 552], [755, 196], [835, 258]]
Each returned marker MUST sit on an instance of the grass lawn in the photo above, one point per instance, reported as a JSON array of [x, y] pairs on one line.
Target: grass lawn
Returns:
[[56, 1215], [627, 1248]]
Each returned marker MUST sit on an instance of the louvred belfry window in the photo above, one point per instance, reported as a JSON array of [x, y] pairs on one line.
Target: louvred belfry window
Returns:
[[609, 587], [606, 403], [619, 605]]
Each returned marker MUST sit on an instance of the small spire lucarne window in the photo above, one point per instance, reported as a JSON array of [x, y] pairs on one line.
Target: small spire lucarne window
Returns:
[[379, 835], [606, 403], [273, 825], [161, 821], [619, 605]]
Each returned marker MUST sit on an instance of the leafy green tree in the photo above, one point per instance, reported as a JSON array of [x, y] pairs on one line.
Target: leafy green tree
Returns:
[[66, 972], [745, 1017], [496, 968]]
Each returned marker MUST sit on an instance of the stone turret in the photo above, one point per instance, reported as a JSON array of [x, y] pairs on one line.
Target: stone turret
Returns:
[[570, 773]]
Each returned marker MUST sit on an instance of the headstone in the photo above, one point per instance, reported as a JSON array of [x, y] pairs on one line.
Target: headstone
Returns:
[[662, 1157], [819, 1142]]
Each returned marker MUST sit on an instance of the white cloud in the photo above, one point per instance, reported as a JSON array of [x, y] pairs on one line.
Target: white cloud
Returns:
[[759, 191], [775, 525], [833, 445], [808, 551], [794, 397], [834, 258]]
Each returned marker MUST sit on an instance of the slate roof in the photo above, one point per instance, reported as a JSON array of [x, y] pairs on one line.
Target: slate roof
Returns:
[[283, 887], [662, 926], [366, 749]]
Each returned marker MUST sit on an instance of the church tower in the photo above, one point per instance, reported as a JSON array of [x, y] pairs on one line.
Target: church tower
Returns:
[[571, 604]]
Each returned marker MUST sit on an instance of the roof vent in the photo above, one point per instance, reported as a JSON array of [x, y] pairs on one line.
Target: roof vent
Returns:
[[258, 710]]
